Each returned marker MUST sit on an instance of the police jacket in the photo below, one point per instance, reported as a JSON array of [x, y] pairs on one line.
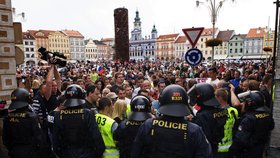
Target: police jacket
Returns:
[[22, 134], [252, 134], [170, 137], [212, 121], [125, 135], [76, 135]]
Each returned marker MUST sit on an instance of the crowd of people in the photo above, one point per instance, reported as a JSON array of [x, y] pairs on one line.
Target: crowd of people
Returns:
[[141, 109]]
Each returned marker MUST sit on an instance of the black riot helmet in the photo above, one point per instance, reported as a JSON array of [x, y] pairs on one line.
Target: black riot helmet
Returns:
[[20, 98], [203, 94], [140, 108], [173, 101], [75, 96]]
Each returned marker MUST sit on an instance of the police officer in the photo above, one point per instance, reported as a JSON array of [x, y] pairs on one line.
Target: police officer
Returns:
[[209, 117], [22, 134], [253, 131], [127, 129], [171, 136], [75, 133]]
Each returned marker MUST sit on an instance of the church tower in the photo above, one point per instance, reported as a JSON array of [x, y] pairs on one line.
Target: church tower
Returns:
[[154, 32], [136, 33]]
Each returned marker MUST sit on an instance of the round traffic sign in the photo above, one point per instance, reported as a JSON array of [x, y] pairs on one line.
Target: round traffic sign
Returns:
[[193, 56]]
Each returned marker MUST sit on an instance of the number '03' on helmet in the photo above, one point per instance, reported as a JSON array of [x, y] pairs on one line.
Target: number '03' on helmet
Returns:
[[20, 98], [140, 108], [173, 101], [75, 96]]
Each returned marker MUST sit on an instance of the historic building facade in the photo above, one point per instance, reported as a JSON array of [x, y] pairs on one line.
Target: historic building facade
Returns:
[[140, 47]]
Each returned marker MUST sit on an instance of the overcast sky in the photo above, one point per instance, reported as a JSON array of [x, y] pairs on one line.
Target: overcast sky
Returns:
[[94, 18]]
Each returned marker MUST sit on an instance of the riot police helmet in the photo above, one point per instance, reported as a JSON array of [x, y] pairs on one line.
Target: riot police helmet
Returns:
[[20, 98], [173, 101], [140, 108], [257, 99], [204, 95], [75, 96]]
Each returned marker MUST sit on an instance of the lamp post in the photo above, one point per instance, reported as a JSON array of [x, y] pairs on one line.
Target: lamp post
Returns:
[[214, 8]]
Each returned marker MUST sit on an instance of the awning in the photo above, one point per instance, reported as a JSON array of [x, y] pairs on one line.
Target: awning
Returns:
[[234, 57], [255, 57], [219, 57]]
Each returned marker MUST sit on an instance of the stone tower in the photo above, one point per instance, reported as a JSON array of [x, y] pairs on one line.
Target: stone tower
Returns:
[[121, 34]]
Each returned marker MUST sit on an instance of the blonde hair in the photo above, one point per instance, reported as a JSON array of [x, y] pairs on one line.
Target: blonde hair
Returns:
[[36, 84], [119, 109]]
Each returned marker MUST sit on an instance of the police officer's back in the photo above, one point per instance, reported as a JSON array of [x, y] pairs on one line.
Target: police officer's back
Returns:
[[253, 131], [75, 133], [171, 136], [22, 134], [127, 129], [210, 117]]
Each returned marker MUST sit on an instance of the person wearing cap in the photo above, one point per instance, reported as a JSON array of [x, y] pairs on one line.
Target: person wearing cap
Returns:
[[75, 131], [127, 129], [210, 117], [22, 134], [170, 135]]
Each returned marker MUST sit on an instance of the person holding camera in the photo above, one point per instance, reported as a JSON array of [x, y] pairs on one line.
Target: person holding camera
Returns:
[[45, 101], [253, 131]]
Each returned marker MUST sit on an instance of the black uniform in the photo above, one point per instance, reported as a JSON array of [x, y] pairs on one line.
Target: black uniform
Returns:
[[22, 134], [170, 137], [253, 134], [212, 121], [76, 134], [127, 129]]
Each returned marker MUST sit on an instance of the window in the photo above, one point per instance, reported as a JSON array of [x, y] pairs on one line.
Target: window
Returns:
[[27, 49], [230, 50], [32, 49], [201, 39], [32, 55], [241, 50], [235, 51], [27, 55], [31, 43], [235, 44], [26, 43]]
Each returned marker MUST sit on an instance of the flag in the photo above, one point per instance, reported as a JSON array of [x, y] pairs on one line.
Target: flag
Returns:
[[100, 70]]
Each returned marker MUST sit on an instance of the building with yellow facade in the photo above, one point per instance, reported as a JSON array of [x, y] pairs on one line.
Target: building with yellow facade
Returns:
[[59, 42]]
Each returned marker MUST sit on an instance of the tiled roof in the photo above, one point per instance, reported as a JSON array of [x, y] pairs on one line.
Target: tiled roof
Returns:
[[27, 35], [45, 32], [107, 39], [255, 33], [181, 39], [208, 31], [168, 36], [98, 42], [225, 35], [73, 33]]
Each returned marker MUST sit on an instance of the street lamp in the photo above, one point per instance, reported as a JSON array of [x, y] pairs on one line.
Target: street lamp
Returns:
[[16, 15], [214, 8]]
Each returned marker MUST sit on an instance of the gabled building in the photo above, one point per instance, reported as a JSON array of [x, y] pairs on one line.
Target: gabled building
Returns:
[[29, 48], [90, 50], [59, 42], [268, 40], [221, 51], [165, 45], [236, 46], [41, 39], [253, 44], [201, 45], [110, 42], [180, 47], [141, 48], [77, 46], [102, 50]]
